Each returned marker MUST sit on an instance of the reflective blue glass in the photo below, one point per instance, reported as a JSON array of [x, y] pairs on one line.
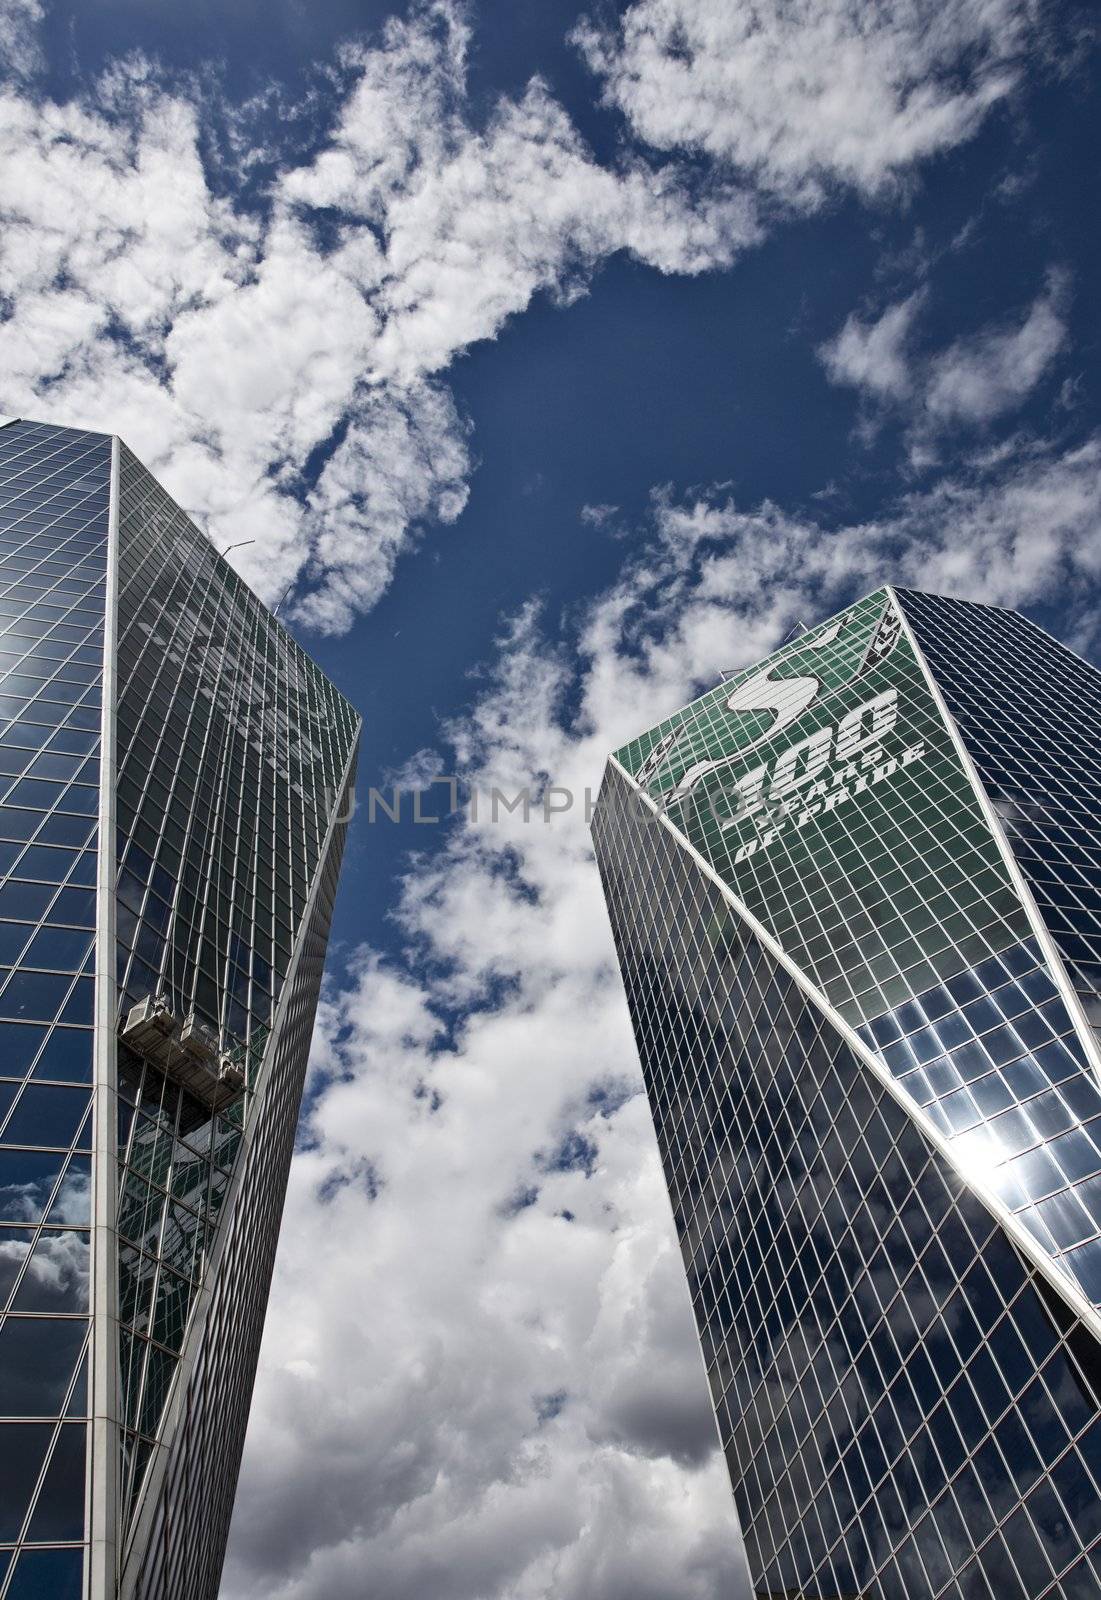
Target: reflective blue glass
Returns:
[[54, 486], [908, 1405]]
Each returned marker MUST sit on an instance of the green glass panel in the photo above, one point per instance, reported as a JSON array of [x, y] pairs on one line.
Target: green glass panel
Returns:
[[824, 788]]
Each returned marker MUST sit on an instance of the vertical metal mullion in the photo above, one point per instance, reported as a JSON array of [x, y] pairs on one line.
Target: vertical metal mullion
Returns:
[[103, 1444]]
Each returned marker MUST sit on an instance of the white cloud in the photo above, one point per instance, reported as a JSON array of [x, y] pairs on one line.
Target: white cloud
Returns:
[[233, 345], [418, 771], [872, 355], [236, 337], [477, 222], [19, 49], [802, 96], [1025, 530], [464, 1392], [229, 344], [972, 381], [402, 461], [977, 379]]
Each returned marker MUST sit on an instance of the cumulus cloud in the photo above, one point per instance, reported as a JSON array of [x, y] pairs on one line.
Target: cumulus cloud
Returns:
[[803, 96], [275, 350], [238, 343], [480, 1379], [271, 336], [972, 381], [401, 461]]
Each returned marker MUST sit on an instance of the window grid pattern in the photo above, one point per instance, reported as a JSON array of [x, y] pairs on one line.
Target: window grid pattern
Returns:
[[181, 1559], [898, 887], [178, 1159], [232, 746], [1029, 710], [54, 497], [987, 1047], [995, 1061], [906, 1408]]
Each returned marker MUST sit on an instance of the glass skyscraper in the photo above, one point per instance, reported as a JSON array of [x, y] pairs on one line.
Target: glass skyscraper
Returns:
[[856, 896], [176, 775]]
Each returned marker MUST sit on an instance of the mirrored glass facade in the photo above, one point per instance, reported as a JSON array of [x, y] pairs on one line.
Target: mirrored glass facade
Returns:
[[147, 1114], [54, 492], [876, 1097], [1028, 711]]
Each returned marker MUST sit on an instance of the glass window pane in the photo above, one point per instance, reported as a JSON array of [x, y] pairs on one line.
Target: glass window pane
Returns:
[[23, 1448], [57, 1274], [46, 1114], [72, 1203], [47, 1575], [27, 1180], [66, 1056], [38, 1357], [19, 1044], [59, 1509]]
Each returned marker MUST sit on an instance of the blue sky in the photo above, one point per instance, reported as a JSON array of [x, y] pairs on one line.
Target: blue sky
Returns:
[[552, 364]]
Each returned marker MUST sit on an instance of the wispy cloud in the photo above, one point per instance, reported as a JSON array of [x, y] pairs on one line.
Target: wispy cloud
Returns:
[[20, 54], [972, 381], [809, 96], [271, 330], [873, 356], [979, 378]]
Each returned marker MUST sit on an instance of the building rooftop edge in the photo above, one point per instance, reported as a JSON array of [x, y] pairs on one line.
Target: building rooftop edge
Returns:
[[6, 421]]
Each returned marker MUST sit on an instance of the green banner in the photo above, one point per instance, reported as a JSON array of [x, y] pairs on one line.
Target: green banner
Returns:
[[824, 788]]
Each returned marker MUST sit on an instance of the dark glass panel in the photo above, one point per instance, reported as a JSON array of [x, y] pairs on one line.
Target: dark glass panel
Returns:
[[46, 1114], [23, 1448], [59, 1509], [62, 949], [79, 1009], [38, 1356], [160, 1369], [39, 794], [13, 938], [56, 766], [25, 900], [78, 1397], [74, 906], [34, 996], [67, 1056], [46, 1574], [84, 872], [47, 864], [170, 1312], [19, 1044], [20, 825]]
